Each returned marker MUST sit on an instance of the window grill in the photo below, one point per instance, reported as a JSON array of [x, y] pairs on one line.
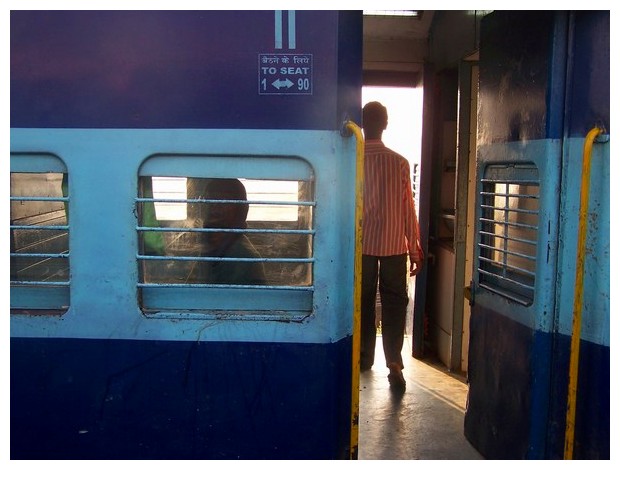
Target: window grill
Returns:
[[508, 233], [269, 265], [39, 238]]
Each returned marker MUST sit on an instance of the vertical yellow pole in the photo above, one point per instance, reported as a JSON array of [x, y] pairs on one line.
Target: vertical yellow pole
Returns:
[[357, 289], [573, 372]]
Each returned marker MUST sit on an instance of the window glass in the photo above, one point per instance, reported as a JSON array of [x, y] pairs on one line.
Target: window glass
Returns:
[[214, 233], [39, 240]]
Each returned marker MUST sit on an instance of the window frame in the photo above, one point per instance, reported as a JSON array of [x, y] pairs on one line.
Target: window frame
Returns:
[[38, 295], [290, 302], [503, 276]]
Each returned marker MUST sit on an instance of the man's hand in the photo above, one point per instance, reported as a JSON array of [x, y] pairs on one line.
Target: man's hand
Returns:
[[414, 267]]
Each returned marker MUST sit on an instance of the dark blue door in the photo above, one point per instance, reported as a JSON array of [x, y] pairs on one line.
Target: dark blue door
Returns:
[[544, 84]]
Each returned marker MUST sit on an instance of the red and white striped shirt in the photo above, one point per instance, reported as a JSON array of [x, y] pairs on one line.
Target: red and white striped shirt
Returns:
[[390, 225]]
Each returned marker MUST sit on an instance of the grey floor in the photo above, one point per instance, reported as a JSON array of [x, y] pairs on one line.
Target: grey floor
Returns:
[[423, 423]]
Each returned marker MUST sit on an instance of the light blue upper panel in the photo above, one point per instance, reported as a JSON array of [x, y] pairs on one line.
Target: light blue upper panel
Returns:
[[104, 165], [546, 156], [595, 313]]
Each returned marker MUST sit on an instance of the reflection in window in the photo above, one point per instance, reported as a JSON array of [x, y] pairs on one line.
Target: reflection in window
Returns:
[[174, 188], [263, 191], [225, 232], [39, 240], [509, 231]]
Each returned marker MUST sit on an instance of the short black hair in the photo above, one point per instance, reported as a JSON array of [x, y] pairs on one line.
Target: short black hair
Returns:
[[374, 118], [225, 189], [219, 189]]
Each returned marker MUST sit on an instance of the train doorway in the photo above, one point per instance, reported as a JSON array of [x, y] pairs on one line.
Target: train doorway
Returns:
[[446, 206], [403, 135], [463, 220], [408, 427]]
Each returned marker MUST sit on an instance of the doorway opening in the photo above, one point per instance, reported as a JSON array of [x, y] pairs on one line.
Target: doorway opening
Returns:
[[403, 135]]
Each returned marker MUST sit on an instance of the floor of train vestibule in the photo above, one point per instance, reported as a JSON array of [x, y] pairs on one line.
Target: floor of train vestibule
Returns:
[[423, 423]]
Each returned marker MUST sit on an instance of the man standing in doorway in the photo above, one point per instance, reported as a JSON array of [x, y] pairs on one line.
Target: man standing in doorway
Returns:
[[390, 236]]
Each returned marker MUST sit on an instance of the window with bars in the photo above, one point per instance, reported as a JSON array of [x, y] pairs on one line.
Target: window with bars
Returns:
[[39, 266], [225, 244], [508, 232]]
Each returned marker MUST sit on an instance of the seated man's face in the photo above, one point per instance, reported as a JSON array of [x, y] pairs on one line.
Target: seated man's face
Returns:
[[219, 216]]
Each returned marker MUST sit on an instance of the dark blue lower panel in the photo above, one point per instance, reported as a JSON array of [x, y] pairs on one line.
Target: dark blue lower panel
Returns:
[[592, 421], [122, 399], [499, 402], [518, 380]]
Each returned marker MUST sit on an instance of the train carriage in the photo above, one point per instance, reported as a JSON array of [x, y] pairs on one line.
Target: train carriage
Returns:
[[122, 345], [185, 228]]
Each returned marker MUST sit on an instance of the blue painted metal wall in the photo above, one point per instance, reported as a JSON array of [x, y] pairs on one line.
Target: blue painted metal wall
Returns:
[[180, 69], [544, 82], [104, 91], [588, 94]]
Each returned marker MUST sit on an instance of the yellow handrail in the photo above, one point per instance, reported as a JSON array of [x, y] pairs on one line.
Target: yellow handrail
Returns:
[[573, 373], [357, 289]]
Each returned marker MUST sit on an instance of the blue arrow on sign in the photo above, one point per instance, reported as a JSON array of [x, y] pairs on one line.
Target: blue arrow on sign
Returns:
[[282, 83]]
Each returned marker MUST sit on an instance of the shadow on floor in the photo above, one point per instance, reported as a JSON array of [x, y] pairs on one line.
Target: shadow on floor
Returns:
[[423, 423]]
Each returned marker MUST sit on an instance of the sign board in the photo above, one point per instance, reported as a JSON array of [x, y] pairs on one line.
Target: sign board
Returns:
[[284, 74]]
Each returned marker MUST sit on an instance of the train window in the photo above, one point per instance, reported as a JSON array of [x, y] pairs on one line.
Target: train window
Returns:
[[509, 230], [39, 233], [226, 243]]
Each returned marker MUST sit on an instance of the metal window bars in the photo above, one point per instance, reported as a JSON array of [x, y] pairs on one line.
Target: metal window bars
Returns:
[[39, 236], [284, 250], [508, 236]]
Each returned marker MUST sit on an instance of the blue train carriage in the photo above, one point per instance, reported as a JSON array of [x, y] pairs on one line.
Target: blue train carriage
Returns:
[[539, 369], [130, 336]]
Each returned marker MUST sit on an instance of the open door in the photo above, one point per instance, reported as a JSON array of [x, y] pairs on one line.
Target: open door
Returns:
[[521, 91], [464, 211]]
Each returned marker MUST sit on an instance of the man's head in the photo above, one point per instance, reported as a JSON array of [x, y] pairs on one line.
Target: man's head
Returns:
[[374, 120], [223, 215]]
